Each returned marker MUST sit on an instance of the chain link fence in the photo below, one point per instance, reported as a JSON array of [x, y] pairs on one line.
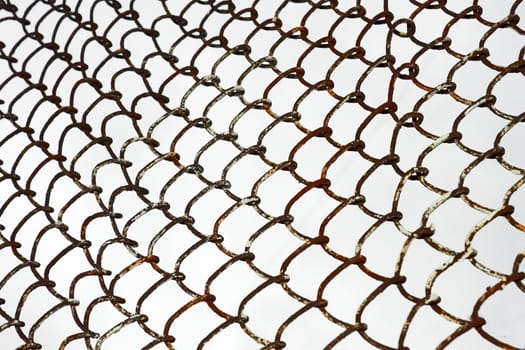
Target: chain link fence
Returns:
[[265, 175]]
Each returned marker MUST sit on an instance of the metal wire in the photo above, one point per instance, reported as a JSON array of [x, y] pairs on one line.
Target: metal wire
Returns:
[[69, 113]]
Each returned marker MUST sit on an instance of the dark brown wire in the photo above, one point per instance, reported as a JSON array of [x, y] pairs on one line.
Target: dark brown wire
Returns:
[[69, 120]]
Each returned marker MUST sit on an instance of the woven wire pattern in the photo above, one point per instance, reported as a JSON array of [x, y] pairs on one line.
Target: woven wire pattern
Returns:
[[77, 98]]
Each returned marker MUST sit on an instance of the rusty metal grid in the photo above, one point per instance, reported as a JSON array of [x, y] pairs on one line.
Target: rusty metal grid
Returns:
[[68, 112]]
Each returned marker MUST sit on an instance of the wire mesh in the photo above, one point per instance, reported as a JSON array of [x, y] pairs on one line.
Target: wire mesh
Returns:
[[132, 133]]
